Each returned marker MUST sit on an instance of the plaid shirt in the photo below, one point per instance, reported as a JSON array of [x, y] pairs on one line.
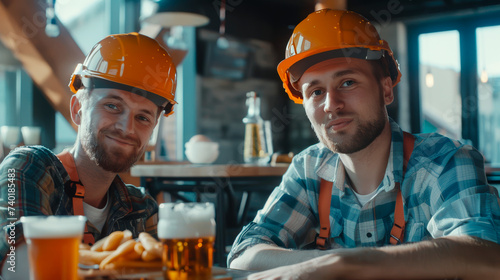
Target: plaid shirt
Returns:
[[39, 179], [444, 190]]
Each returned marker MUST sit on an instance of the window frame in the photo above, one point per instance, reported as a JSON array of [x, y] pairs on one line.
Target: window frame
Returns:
[[466, 25]]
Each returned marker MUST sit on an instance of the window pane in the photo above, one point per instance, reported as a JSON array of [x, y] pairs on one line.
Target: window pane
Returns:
[[9, 97], [439, 69], [3, 98], [65, 134], [86, 21], [488, 71]]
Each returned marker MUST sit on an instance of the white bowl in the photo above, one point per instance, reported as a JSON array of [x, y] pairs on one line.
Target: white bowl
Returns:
[[202, 152]]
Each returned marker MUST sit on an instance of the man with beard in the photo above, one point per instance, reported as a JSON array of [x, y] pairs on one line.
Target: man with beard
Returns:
[[368, 201], [122, 88]]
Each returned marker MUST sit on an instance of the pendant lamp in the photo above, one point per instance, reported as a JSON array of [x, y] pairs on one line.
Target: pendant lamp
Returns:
[[179, 13]]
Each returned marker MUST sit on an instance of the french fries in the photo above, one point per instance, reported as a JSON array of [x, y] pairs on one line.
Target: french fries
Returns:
[[88, 257], [127, 235], [119, 250], [98, 245], [84, 246], [150, 244], [112, 241]]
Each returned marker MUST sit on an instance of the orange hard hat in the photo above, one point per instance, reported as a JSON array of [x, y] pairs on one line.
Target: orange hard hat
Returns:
[[326, 34], [131, 62]]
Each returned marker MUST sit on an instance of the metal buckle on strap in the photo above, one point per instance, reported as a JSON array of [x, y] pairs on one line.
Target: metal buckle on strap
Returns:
[[78, 196], [72, 190], [397, 239], [322, 243]]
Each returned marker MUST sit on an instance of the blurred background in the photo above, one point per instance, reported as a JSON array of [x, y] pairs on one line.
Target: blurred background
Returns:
[[448, 51]]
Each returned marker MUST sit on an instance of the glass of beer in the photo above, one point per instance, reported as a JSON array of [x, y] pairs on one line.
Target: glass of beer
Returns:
[[53, 243], [187, 231]]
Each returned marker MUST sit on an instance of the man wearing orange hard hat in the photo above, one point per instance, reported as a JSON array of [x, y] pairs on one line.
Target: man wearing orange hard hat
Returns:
[[124, 85], [369, 201]]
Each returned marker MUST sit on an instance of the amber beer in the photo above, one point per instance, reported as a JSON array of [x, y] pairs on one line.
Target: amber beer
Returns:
[[53, 246], [187, 231]]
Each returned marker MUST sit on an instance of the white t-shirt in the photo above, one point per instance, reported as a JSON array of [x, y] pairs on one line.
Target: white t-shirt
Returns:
[[97, 216], [364, 198]]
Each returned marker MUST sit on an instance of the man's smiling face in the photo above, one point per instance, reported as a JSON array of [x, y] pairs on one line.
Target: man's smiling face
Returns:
[[115, 127], [345, 103]]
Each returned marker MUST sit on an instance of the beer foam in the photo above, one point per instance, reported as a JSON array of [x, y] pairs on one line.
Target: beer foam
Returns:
[[186, 220], [53, 226]]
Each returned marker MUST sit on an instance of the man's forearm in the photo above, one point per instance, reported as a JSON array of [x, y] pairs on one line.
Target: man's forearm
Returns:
[[464, 258], [264, 256], [443, 258]]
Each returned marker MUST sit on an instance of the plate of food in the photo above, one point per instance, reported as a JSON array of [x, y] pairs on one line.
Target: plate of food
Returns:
[[119, 256]]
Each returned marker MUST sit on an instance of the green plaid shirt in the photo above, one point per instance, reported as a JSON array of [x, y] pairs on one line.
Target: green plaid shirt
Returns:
[[38, 177]]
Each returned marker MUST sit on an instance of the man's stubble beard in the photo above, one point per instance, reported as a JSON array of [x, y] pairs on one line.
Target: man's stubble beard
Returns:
[[109, 158], [365, 134]]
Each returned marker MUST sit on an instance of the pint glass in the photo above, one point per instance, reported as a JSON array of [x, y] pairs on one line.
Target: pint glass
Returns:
[[53, 245], [187, 231]]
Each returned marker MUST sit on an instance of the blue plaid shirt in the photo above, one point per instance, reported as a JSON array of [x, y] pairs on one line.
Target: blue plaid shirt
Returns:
[[445, 192]]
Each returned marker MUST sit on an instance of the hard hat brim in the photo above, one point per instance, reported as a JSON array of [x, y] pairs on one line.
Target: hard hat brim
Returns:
[[297, 69], [156, 99], [292, 68]]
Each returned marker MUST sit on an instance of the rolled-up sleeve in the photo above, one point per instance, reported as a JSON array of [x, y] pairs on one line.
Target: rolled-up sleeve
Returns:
[[286, 220]]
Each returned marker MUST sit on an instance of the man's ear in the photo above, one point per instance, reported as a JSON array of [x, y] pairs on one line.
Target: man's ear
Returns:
[[387, 90], [75, 108]]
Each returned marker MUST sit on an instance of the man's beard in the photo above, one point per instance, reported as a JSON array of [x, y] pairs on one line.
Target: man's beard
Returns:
[[365, 134], [111, 159]]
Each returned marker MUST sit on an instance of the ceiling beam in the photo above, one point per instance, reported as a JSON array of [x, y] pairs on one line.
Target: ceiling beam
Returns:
[[49, 61]]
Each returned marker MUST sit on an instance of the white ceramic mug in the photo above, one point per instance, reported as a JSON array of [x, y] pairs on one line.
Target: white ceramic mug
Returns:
[[31, 135]]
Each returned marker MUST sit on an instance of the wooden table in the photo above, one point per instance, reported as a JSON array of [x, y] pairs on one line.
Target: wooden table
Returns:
[[220, 180]]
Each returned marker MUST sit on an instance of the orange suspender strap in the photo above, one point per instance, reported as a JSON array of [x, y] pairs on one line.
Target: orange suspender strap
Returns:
[[325, 196], [398, 229], [69, 164]]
